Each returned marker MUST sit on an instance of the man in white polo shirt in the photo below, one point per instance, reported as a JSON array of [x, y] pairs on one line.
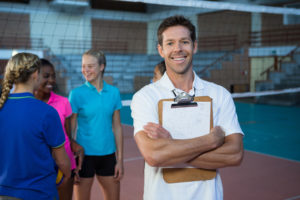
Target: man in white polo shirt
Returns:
[[221, 147]]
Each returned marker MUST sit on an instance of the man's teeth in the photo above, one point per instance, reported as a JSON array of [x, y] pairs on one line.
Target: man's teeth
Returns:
[[178, 59]]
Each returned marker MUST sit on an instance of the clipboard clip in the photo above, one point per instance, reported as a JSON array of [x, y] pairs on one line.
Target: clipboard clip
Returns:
[[183, 99]]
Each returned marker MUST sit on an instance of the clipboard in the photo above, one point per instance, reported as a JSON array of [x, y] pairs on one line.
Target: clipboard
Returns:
[[177, 175]]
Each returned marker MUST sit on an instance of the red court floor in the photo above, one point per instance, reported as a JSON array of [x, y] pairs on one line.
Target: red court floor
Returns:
[[260, 177]]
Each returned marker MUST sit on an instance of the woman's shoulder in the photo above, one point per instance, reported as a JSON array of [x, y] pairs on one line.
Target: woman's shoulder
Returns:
[[79, 90], [111, 87], [44, 108], [57, 97]]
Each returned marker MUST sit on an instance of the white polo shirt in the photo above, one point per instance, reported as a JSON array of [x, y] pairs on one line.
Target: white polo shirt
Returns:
[[144, 109]]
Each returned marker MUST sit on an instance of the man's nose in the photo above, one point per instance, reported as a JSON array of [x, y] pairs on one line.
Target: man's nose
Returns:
[[177, 46]]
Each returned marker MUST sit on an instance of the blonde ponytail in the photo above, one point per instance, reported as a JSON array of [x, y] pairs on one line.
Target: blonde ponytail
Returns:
[[18, 70]]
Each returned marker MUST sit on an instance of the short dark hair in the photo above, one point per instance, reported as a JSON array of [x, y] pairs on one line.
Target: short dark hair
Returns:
[[177, 20], [45, 62]]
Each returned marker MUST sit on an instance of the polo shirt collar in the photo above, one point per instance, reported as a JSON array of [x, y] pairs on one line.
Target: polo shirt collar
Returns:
[[20, 95], [167, 83], [94, 88], [51, 98]]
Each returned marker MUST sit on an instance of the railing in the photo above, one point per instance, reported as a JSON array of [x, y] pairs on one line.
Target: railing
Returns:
[[277, 62], [218, 42], [106, 45], [219, 59], [221, 42], [286, 35], [9, 42]]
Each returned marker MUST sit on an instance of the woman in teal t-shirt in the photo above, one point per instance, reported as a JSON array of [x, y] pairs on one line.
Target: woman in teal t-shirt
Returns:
[[96, 112]]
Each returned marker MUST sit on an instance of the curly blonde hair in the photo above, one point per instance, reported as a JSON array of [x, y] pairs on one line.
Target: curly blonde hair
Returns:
[[18, 70]]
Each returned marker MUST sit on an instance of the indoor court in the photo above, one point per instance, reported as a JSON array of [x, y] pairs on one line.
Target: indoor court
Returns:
[[250, 47]]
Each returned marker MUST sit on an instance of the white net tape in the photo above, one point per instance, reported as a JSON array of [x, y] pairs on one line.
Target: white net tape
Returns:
[[247, 94]]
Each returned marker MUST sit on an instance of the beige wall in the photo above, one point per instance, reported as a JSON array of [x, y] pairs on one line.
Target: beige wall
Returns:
[[258, 65]]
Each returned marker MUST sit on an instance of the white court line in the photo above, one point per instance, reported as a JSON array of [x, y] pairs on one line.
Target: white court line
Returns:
[[133, 159], [126, 102], [294, 198]]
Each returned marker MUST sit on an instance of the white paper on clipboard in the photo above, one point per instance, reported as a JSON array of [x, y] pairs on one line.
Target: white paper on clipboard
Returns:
[[186, 122]]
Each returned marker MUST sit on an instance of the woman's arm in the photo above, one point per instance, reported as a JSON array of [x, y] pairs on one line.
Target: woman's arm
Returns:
[[62, 160], [118, 132], [68, 127], [71, 126]]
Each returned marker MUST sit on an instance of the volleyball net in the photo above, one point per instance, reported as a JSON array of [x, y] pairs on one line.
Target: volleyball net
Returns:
[[286, 97], [247, 48]]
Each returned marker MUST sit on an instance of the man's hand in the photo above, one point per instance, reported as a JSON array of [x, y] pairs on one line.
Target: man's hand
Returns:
[[218, 135], [156, 131]]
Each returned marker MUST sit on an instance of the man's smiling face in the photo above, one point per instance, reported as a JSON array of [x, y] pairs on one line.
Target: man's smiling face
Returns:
[[177, 49]]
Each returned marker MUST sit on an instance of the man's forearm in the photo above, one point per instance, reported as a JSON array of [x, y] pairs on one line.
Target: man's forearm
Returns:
[[168, 151], [229, 154]]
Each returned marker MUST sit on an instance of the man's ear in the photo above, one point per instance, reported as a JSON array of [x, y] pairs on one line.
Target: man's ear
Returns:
[[195, 47], [160, 51]]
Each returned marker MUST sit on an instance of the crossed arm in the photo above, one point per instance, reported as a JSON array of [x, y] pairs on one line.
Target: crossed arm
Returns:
[[210, 151], [228, 154]]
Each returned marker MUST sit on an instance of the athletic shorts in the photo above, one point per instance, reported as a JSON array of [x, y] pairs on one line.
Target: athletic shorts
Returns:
[[99, 165]]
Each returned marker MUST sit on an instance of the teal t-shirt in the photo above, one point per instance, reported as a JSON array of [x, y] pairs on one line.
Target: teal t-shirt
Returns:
[[94, 116]]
